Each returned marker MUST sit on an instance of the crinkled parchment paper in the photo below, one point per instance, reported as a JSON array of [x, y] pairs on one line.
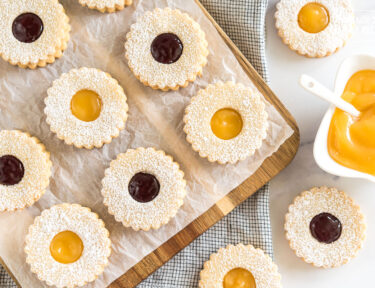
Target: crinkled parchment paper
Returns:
[[155, 119]]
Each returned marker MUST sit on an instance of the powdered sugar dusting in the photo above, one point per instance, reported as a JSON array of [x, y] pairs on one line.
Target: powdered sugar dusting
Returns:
[[313, 202], [87, 226], [240, 256], [319, 44], [158, 75], [246, 101], [74, 131], [143, 215], [37, 166], [51, 42]]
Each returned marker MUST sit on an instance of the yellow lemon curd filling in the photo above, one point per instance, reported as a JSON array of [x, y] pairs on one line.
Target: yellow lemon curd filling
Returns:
[[226, 123], [86, 105], [239, 278], [66, 247], [313, 18], [351, 141]]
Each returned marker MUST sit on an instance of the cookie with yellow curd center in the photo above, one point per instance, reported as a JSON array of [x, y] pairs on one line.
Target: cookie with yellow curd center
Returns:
[[315, 28], [240, 266], [106, 6], [67, 246], [226, 122], [86, 107]]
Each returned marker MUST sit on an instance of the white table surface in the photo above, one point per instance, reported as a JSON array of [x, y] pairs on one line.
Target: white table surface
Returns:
[[285, 67]]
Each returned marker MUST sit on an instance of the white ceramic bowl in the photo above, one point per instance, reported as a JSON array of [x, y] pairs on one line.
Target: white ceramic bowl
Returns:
[[348, 67]]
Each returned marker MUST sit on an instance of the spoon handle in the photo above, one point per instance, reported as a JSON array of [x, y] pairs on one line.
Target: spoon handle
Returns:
[[313, 86]]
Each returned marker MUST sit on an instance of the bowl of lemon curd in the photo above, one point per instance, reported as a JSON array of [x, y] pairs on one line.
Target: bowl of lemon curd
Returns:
[[345, 145]]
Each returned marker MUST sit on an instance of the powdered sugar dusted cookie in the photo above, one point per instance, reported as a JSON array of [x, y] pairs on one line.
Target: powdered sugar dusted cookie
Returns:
[[86, 107], [67, 246], [324, 227], [25, 169], [106, 6], [226, 122], [166, 49], [143, 188], [315, 28], [33, 33], [240, 266]]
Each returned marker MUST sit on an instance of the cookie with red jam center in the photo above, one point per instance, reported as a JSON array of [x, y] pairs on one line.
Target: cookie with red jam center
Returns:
[[166, 49], [324, 227], [25, 169], [33, 33], [143, 188]]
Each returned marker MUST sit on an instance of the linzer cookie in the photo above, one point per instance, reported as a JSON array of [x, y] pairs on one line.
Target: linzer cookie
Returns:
[[226, 122], [315, 28], [33, 33], [324, 227], [67, 246], [240, 266], [143, 188], [25, 169], [86, 107], [106, 6], [166, 49]]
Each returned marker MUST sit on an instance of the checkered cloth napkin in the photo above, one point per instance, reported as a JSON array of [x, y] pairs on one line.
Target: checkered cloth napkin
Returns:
[[243, 21]]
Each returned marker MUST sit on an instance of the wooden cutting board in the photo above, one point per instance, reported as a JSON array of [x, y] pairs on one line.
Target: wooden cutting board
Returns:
[[269, 169]]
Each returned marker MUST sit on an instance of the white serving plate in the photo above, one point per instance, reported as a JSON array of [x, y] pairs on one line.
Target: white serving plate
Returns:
[[347, 68]]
